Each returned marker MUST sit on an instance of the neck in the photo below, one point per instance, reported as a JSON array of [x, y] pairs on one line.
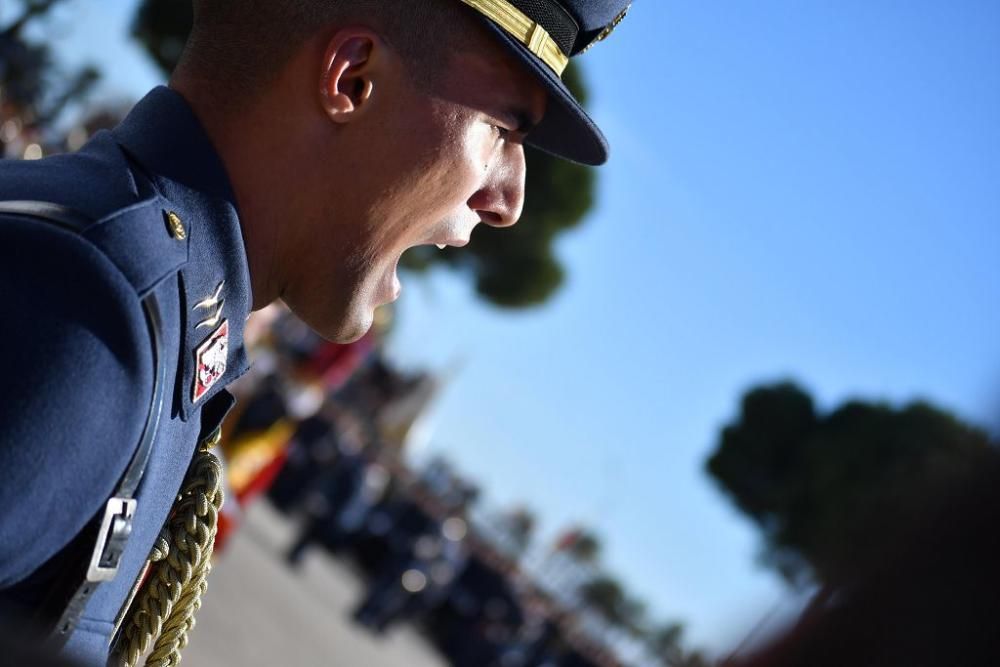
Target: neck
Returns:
[[253, 161]]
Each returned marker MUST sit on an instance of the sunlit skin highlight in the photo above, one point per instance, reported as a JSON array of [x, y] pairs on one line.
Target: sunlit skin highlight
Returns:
[[347, 160]]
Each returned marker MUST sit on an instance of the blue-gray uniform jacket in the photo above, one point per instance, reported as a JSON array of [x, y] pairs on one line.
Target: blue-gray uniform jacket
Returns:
[[141, 219]]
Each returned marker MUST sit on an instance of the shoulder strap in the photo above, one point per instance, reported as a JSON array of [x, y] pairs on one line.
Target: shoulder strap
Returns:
[[116, 519]]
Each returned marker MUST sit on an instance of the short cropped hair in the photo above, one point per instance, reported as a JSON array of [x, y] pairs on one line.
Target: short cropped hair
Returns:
[[241, 45]]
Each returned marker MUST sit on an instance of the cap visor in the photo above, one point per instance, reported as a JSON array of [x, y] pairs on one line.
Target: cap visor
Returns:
[[566, 130]]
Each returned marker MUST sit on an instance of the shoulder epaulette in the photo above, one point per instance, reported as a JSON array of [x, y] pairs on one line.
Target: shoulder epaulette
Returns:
[[142, 243]]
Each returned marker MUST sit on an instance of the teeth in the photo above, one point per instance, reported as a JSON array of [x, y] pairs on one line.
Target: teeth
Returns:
[[441, 246]]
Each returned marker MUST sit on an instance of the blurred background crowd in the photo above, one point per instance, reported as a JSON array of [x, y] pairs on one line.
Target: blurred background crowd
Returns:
[[596, 455]]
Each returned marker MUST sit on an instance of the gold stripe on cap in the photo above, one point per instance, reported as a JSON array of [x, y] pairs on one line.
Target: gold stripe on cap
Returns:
[[524, 29]]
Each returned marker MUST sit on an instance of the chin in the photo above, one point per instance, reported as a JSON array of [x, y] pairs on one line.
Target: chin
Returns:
[[346, 330], [336, 327], [353, 333], [342, 313]]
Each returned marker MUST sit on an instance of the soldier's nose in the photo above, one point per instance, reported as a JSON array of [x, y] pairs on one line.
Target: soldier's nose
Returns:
[[500, 201]]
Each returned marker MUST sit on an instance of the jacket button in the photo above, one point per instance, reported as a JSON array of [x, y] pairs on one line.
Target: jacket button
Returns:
[[175, 226]]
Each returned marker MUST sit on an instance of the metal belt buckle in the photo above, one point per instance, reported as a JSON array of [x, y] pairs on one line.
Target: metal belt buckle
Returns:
[[115, 529]]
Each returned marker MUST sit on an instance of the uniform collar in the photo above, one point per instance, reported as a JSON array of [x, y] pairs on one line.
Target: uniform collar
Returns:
[[164, 135], [164, 138]]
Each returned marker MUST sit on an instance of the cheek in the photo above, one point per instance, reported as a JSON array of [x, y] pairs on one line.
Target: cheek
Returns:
[[452, 174], [434, 169], [465, 162], [482, 147]]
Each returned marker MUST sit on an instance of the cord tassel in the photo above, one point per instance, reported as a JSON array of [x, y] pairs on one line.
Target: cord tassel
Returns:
[[180, 561]]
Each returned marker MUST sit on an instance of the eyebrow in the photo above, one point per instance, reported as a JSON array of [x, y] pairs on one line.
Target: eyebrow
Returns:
[[524, 121]]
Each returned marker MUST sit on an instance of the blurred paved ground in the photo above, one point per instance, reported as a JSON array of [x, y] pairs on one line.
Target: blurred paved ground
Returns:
[[259, 612]]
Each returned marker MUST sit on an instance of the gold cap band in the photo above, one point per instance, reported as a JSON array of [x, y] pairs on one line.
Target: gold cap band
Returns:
[[524, 29]]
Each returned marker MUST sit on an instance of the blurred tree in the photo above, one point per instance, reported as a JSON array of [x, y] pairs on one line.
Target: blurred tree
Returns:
[[693, 659], [510, 267], [520, 524], [608, 597], [572, 559], [581, 544], [33, 90], [162, 27], [827, 490], [665, 642]]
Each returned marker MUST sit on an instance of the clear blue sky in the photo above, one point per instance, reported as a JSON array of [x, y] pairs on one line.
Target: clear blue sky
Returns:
[[806, 190]]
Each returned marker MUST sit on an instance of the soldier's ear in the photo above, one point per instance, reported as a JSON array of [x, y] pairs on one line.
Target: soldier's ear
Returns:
[[350, 68]]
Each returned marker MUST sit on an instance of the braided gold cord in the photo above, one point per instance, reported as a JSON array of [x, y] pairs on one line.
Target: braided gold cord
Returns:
[[180, 562]]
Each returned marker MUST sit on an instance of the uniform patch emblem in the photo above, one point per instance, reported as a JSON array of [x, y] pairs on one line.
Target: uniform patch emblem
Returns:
[[210, 360]]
